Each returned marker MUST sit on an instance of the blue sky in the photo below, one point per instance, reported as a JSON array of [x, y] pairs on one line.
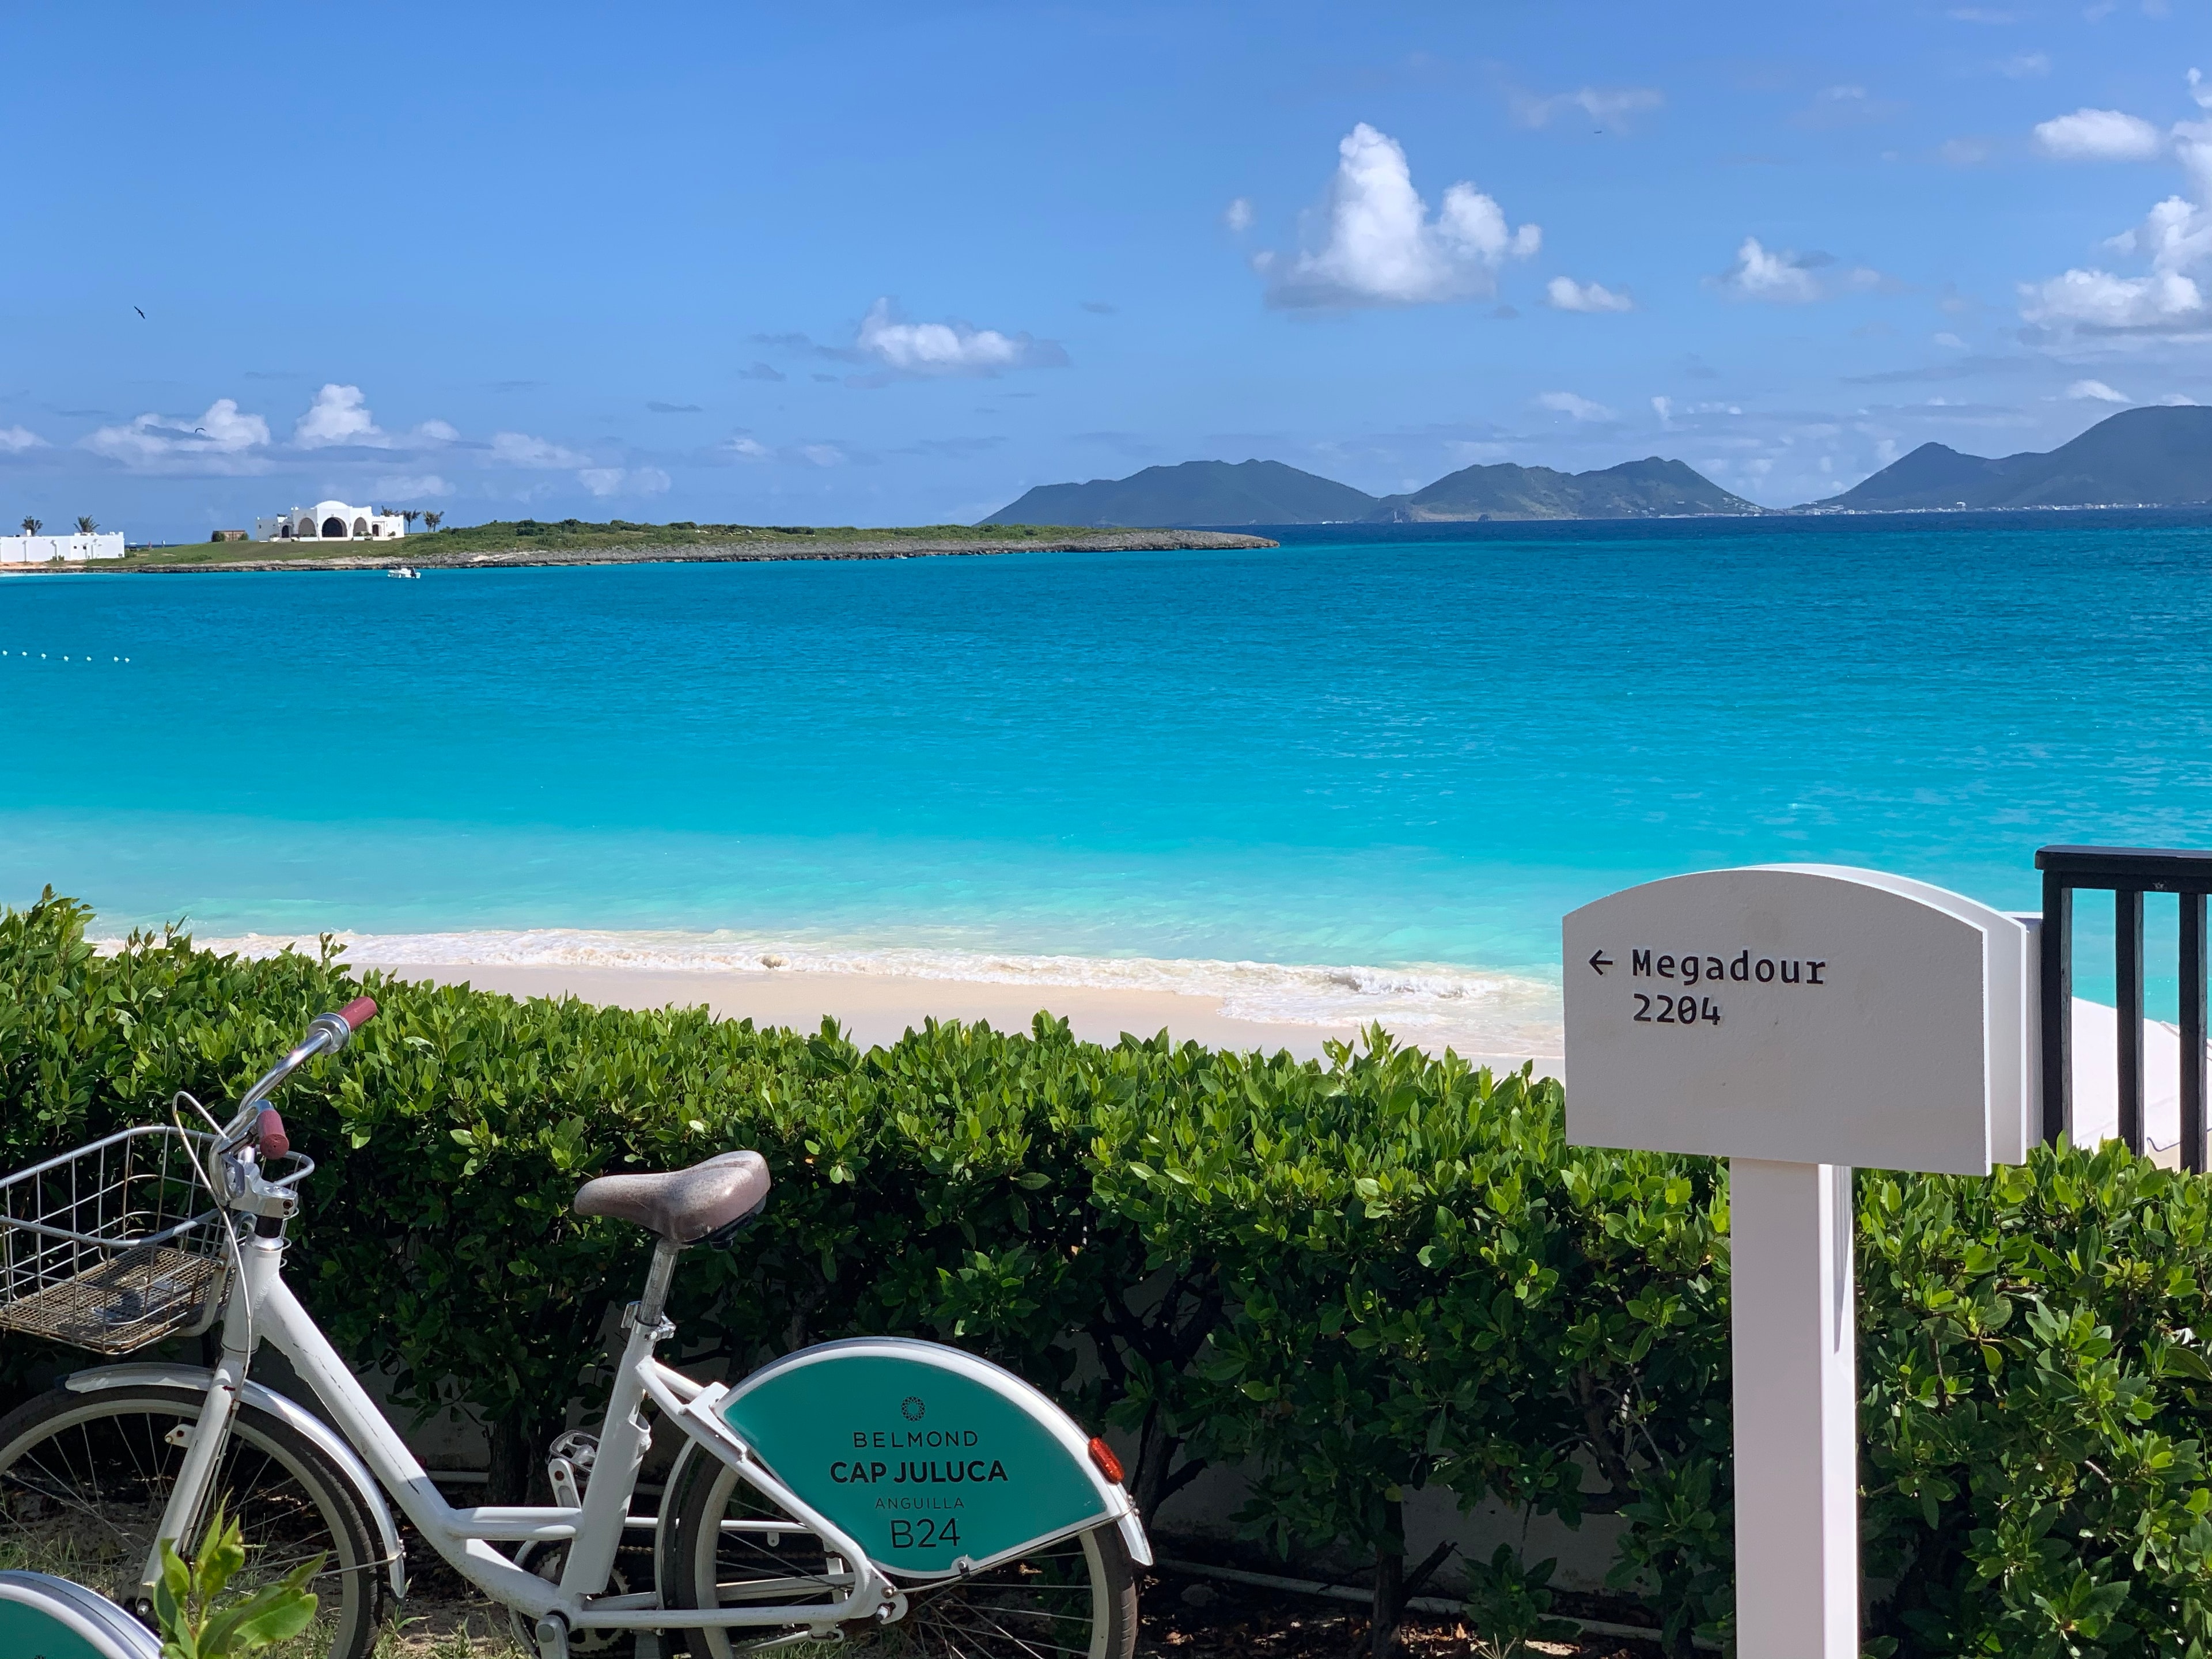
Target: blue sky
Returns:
[[896, 263]]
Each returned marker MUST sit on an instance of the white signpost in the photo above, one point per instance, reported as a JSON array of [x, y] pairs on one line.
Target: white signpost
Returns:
[[1799, 1020]]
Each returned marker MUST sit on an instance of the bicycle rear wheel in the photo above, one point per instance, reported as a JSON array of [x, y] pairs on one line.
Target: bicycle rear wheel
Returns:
[[84, 1478], [1076, 1599]]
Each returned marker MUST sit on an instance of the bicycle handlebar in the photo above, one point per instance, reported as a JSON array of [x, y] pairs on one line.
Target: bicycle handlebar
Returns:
[[327, 1034]]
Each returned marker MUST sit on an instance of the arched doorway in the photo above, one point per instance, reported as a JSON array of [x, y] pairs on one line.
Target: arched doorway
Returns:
[[360, 527], [334, 528]]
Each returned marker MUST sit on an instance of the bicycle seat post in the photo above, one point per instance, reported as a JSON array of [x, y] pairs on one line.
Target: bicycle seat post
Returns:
[[645, 1311]]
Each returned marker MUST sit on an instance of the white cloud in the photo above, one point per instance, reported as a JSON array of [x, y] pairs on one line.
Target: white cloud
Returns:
[[2174, 240], [15, 440], [1566, 403], [2099, 299], [1781, 278], [1237, 216], [815, 455], [2098, 134], [521, 449], [1566, 294], [1379, 245], [413, 484], [2024, 65], [951, 348], [221, 440], [338, 416], [1607, 105], [604, 480], [2098, 391], [1947, 338], [1664, 409]]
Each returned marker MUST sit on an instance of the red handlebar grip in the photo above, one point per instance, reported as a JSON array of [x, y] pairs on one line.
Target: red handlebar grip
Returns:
[[269, 1132], [358, 1012]]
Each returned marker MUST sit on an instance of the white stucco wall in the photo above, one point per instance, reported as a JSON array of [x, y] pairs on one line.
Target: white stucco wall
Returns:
[[305, 524], [43, 550]]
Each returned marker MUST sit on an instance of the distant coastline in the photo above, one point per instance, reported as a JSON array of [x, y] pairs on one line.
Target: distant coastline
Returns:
[[1777, 521], [436, 552]]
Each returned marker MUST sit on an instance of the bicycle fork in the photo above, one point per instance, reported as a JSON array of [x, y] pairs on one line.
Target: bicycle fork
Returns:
[[259, 1260]]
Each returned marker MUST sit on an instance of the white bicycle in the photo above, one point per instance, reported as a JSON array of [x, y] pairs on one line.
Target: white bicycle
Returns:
[[879, 1489]]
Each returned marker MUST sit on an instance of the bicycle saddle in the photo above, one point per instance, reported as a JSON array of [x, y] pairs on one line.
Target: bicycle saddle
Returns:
[[681, 1206]]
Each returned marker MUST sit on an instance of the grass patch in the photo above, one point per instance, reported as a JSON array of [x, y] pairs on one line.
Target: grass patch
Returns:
[[579, 535]]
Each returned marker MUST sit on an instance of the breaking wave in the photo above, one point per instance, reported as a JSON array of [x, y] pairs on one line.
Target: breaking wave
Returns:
[[1474, 1011]]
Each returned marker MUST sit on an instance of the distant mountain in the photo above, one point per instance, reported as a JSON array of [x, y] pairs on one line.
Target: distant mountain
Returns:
[[1647, 488], [1268, 492], [2139, 457], [1194, 493]]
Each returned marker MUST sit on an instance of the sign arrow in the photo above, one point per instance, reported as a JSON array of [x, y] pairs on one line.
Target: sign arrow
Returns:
[[1600, 961]]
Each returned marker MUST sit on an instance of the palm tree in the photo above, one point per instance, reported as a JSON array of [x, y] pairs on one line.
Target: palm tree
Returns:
[[431, 520], [87, 527], [32, 526], [410, 515]]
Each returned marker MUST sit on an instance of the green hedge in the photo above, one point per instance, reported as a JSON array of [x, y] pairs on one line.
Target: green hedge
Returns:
[[1359, 1279]]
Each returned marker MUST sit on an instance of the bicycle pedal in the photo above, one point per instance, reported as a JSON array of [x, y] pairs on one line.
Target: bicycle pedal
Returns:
[[581, 1450]]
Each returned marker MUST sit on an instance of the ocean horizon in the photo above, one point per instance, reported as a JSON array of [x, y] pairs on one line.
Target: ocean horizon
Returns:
[[1360, 775]]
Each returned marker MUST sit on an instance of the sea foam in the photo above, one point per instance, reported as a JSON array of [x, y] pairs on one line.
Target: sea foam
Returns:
[[1433, 1005]]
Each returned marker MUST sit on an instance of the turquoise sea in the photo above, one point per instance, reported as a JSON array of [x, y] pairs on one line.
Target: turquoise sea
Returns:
[[1389, 763]]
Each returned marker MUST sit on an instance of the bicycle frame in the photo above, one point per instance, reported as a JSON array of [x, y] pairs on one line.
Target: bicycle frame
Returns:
[[1071, 1486], [261, 1307]]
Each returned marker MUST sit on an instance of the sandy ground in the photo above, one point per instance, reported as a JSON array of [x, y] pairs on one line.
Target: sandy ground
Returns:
[[879, 1008]]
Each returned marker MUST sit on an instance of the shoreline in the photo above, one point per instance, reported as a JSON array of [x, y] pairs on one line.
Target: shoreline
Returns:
[[780, 551], [875, 1011], [1497, 1019]]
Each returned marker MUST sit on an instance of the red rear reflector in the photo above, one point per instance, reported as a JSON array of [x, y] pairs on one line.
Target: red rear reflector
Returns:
[[1102, 1455]]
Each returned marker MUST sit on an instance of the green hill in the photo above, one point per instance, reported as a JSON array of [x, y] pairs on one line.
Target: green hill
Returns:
[[2139, 457], [1193, 494], [1648, 488]]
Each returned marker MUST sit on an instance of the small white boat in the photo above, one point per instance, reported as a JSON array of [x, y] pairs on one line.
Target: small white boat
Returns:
[[405, 571]]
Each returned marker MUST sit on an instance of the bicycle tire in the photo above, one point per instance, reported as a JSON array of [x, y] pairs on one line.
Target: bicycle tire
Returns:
[[1074, 1599], [83, 1478]]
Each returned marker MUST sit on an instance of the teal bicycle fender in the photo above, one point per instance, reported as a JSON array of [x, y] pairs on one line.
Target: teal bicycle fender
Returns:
[[42, 1617], [935, 1462]]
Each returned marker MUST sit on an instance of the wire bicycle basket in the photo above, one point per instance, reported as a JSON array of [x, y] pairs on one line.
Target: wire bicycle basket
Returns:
[[115, 1245]]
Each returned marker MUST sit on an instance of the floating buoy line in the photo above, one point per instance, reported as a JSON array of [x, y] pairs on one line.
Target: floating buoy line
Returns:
[[85, 657]]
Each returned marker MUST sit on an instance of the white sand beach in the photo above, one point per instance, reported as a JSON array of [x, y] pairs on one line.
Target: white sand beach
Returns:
[[875, 1009], [1500, 1019]]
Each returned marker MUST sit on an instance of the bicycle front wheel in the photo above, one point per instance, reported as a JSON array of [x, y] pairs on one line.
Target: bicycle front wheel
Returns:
[[84, 1478], [1076, 1599]]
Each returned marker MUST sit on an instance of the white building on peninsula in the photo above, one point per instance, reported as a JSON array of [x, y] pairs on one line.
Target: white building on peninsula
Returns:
[[329, 521], [44, 549]]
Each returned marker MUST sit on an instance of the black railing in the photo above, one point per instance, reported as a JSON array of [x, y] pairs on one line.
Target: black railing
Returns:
[[2126, 873]]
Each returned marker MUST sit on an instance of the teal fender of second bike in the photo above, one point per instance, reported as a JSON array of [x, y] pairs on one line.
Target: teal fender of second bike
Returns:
[[42, 1617], [933, 1461]]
